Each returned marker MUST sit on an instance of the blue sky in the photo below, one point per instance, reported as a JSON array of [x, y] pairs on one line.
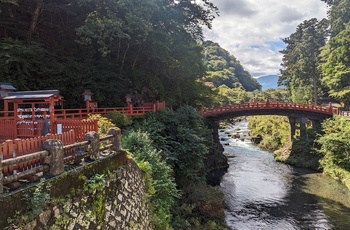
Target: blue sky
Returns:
[[252, 30]]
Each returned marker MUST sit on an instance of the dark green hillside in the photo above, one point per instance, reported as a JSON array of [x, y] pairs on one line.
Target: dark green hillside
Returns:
[[112, 47], [224, 69]]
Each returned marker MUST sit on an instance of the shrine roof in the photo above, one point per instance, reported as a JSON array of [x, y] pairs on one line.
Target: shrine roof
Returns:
[[4, 85], [41, 94]]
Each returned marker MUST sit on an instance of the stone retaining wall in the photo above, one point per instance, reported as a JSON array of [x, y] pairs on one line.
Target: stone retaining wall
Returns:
[[107, 194]]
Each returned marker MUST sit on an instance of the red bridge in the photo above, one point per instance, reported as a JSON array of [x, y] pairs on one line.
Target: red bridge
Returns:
[[311, 112], [297, 113]]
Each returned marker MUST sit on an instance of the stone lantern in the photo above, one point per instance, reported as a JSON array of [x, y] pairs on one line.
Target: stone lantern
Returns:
[[87, 97], [128, 100]]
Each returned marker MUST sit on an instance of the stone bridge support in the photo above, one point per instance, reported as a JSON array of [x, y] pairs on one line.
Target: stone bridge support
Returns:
[[300, 123]]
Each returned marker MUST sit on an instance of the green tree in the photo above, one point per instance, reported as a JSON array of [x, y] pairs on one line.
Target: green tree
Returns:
[[334, 143], [184, 139], [112, 47], [300, 60], [225, 69], [161, 186]]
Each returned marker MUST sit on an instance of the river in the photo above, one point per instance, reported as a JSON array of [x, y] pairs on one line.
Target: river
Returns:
[[261, 193]]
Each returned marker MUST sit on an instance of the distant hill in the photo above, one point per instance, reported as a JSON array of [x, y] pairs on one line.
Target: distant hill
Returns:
[[268, 82], [225, 69]]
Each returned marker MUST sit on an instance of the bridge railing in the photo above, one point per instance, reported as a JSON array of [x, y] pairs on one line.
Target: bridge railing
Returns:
[[269, 105], [25, 159]]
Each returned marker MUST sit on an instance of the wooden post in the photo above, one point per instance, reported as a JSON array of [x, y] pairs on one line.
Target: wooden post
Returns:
[[1, 177], [96, 125], [52, 111], [6, 107]]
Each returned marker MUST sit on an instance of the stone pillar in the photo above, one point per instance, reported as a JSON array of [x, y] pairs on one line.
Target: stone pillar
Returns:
[[94, 146], [55, 157], [216, 132], [303, 121], [292, 121], [316, 124], [116, 141]]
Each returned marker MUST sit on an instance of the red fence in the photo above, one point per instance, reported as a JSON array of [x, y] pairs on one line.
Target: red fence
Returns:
[[20, 147], [80, 127], [129, 111], [10, 130]]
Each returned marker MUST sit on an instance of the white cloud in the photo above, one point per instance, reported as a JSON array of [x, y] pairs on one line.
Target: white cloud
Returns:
[[252, 30]]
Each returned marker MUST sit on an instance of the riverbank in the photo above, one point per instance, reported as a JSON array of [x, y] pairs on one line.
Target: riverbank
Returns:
[[326, 153], [261, 193]]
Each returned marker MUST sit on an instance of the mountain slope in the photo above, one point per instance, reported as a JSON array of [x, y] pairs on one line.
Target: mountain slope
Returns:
[[225, 69]]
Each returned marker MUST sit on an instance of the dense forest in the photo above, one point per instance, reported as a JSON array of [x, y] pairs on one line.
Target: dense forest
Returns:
[[114, 48]]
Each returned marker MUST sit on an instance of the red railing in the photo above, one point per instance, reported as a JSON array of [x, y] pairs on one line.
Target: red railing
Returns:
[[20, 147], [10, 129], [129, 111], [80, 127], [268, 106]]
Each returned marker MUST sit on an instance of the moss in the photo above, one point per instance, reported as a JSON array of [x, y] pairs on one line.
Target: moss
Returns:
[[69, 184]]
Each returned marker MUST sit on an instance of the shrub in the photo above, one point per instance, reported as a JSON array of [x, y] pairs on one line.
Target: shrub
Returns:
[[119, 119], [157, 174], [104, 124]]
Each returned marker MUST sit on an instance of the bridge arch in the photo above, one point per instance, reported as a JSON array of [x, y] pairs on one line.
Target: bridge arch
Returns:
[[297, 113]]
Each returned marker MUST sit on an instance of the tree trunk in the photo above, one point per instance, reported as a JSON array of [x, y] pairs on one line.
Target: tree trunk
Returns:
[[35, 17], [315, 89]]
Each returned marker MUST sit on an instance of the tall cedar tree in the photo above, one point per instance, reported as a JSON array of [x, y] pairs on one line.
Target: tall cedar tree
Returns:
[[300, 60]]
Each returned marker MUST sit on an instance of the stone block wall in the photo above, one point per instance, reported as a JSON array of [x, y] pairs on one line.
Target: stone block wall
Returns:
[[107, 194]]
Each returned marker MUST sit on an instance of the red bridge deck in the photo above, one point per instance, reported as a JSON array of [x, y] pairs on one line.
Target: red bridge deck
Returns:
[[268, 108]]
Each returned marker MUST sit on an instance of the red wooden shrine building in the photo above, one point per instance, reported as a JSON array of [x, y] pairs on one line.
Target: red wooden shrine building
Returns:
[[27, 112]]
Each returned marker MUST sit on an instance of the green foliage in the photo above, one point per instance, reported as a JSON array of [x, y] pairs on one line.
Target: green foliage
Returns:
[[157, 175], [273, 129], [111, 47], [28, 65], [119, 119], [300, 60], [225, 69], [280, 95], [202, 207], [230, 96], [95, 186], [184, 139], [96, 183], [336, 69], [335, 149], [335, 145], [104, 124], [39, 199]]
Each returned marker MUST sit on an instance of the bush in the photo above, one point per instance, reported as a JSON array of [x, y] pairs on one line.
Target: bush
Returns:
[[104, 124], [157, 174], [119, 119], [273, 129]]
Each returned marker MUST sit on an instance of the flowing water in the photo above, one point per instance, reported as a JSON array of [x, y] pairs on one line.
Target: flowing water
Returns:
[[261, 193]]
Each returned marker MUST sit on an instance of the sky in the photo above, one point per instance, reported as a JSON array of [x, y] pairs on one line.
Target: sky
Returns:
[[252, 30]]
